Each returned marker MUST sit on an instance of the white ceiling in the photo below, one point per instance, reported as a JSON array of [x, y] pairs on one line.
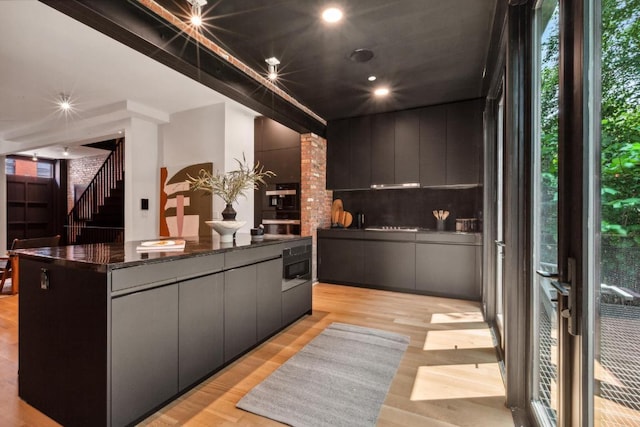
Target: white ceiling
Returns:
[[44, 53]]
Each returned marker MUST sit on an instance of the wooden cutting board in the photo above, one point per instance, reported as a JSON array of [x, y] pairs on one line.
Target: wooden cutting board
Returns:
[[336, 211], [347, 219]]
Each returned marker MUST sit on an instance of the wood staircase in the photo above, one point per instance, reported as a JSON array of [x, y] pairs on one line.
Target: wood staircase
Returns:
[[98, 215]]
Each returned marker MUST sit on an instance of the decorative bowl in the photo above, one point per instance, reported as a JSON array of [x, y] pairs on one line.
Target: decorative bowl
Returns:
[[226, 229]]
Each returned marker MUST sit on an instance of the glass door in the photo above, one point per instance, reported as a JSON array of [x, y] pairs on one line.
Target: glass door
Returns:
[[616, 297], [499, 212], [545, 336]]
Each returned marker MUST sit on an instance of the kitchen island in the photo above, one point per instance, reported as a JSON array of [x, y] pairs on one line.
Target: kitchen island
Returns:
[[107, 334], [421, 261]]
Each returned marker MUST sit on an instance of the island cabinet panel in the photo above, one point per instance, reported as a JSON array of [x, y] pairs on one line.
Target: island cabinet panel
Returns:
[[106, 343], [450, 270], [407, 147], [433, 146], [269, 299], [296, 301], [340, 261], [63, 343], [144, 352], [200, 326], [383, 148], [240, 317], [338, 155], [464, 142], [390, 264]]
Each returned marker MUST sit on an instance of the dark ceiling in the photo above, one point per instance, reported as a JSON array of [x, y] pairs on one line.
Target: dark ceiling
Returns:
[[426, 51]]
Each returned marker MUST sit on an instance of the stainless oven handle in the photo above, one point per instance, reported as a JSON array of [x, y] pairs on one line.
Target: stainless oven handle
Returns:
[[281, 193]]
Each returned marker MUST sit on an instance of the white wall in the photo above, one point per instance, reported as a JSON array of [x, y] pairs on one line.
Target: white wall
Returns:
[[239, 140], [141, 179], [216, 133]]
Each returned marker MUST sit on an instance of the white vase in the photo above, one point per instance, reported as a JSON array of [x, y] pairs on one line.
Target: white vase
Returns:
[[226, 229]]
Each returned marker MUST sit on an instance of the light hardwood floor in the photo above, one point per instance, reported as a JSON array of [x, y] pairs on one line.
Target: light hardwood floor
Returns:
[[448, 376]]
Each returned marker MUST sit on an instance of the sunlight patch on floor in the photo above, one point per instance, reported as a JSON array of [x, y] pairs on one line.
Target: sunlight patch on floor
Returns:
[[458, 339], [457, 382], [470, 317]]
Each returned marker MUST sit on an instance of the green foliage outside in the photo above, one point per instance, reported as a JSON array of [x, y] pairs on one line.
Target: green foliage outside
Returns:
[[620, 138]]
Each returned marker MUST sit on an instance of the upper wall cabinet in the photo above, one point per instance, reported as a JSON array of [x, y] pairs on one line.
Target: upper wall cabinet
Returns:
[[407, 147], [277, 148], [349, 153], [464, 143], [338, 155], [383, 133], [435, 146], [360, 151]]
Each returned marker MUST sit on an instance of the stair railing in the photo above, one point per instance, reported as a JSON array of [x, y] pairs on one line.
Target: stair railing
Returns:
[[105, 180]]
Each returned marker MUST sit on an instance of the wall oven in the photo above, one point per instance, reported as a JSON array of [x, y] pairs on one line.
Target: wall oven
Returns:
[[284, 197]]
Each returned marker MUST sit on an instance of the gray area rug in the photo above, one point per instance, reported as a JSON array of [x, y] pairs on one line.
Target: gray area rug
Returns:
[[340, 378]]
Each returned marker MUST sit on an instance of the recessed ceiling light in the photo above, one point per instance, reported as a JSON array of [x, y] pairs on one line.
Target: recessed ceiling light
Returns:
[[332, 15], [381, 91], [35, 157], [65, 102], [372, 78]]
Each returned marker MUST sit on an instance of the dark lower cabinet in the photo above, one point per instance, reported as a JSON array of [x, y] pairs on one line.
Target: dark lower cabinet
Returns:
[[340, 261], [448, 270], [269, 299], [390, 264], [240, 317], [296, 302], [443, 264], [201, 333], [253, 305], [144, 352]]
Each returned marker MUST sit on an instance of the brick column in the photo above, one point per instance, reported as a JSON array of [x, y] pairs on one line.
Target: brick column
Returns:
[[315, 200]]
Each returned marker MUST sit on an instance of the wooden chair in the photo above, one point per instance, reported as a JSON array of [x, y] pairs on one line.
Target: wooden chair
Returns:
[[10, 270]]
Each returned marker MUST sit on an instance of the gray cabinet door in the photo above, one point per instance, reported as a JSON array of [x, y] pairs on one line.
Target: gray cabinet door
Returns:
[[407, 146], [382, 148], [296, 302], [269, 299], [360, 165], [338, 155], [433, 145], [285, 163], [390, 264], [464, 142], [340, 261], [240, 299], [201, 317], [448, 270], [144, 352]]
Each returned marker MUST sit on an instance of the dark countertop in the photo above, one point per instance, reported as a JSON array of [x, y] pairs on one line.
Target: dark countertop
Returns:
[[109, 256], [419, 230]]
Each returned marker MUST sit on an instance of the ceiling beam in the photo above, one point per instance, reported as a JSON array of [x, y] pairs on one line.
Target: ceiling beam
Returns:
[[135, 26]]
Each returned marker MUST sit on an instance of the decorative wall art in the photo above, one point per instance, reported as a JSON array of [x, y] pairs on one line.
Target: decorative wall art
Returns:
[[183, 212]]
